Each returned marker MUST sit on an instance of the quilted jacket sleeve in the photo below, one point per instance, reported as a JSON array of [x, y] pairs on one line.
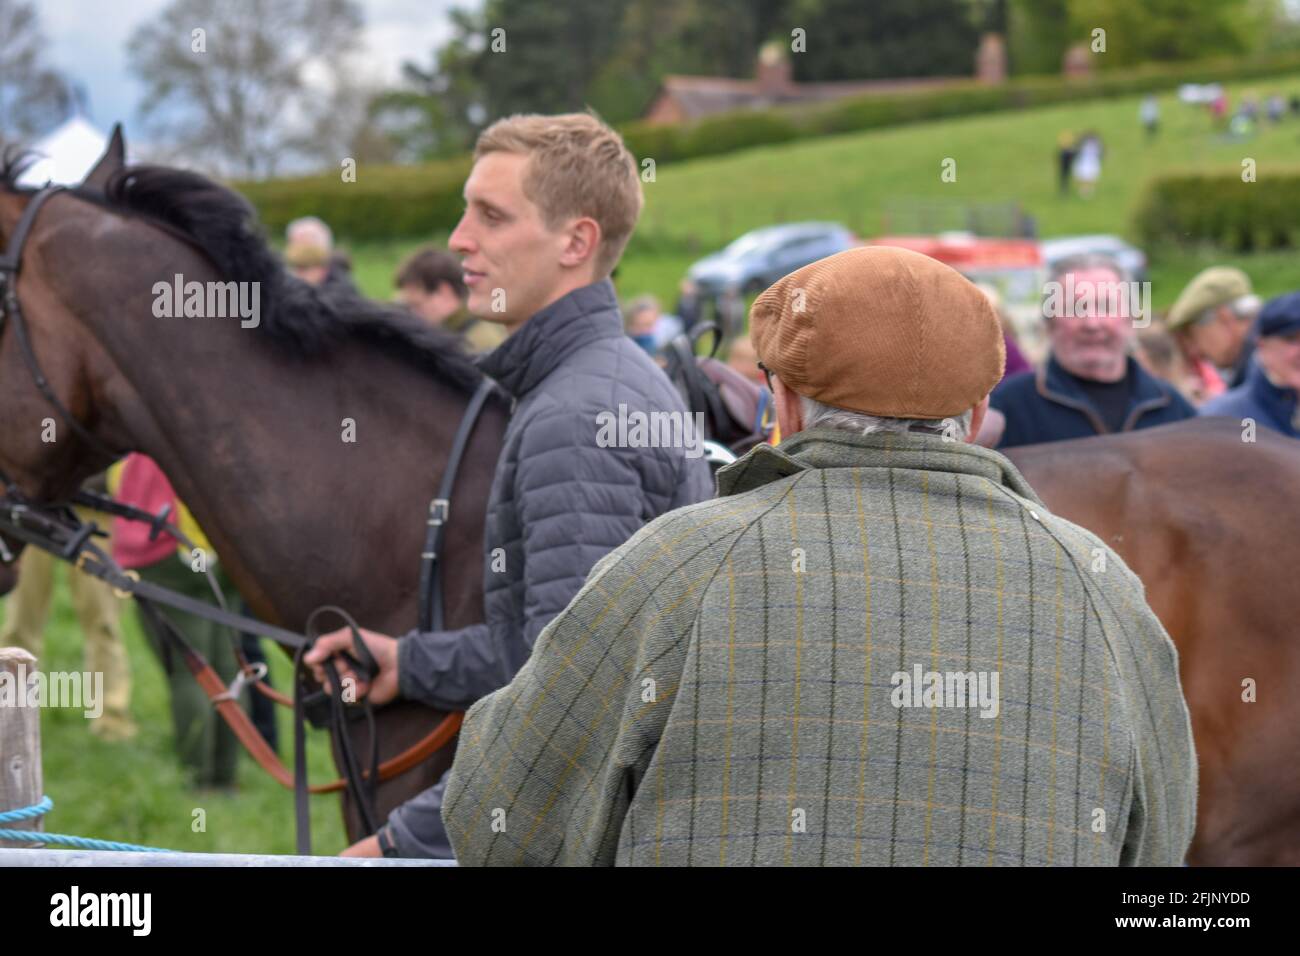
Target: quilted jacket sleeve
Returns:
[[450, 670]]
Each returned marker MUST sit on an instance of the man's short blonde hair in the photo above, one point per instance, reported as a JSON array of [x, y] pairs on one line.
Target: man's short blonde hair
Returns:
[[577, 167]]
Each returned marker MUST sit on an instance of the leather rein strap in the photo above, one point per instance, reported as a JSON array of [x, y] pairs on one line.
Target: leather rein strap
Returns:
[[58, 530], [430, 614]]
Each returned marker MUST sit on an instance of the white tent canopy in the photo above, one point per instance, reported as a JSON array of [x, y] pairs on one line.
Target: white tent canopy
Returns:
[[67, 154]]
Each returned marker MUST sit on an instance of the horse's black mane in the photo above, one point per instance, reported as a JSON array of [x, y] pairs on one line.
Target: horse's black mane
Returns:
[[295, 315], [14, 161]]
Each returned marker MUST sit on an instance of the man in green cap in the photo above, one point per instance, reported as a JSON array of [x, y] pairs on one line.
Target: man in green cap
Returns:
[[1212, 319]]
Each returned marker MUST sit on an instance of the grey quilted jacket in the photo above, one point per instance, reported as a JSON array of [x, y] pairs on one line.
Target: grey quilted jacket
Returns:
[[560, 502]]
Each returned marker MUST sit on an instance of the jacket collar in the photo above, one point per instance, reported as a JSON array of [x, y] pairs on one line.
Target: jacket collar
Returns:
[[1057, 385], [1241, 371], [835, 448], [553, 334], [1281, 403]]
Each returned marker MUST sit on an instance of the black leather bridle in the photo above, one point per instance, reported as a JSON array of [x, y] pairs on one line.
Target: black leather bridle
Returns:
[[11, 313], [58, 530]]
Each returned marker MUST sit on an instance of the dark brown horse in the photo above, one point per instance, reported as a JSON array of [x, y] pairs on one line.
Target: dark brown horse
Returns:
[[1211, 524], [249, 423]]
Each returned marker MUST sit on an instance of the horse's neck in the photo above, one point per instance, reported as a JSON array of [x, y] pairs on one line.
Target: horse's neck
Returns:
[[11, 206], [256, 446]]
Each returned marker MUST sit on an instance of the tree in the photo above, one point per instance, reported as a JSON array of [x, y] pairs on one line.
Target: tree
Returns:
[[849, 39], [990, 16], [33, 95], [1279, 25], [552, 53], [1039, 34], [440, 108], [658, 37], [1138, 31], [240, 85], [511, 56]]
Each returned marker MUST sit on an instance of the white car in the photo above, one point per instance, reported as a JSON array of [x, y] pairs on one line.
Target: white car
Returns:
[[1131, 258], [1195, 94], [759, 258]]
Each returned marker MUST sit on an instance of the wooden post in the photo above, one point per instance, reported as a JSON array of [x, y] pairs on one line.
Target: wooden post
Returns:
[[20, 740]]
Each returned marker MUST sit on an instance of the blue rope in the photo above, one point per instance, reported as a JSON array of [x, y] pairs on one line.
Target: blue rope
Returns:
[[28, 813], [81, 843]]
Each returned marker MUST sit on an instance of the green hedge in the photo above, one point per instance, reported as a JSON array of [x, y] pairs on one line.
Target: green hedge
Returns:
[[1222, 211], [959, 98], [385, 202], [413, 201]]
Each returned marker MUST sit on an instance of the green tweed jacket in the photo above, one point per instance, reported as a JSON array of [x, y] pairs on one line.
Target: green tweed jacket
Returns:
[[877, 650]]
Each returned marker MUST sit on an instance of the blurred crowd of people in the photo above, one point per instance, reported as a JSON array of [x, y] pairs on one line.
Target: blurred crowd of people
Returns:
[[1245, 119], [1219, 350], [1079, 155]]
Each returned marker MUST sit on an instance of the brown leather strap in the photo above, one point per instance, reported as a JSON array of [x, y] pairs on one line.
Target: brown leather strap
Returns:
[[235, 717]]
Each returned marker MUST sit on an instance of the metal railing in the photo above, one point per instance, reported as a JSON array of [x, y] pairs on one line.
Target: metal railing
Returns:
[[82, 858]]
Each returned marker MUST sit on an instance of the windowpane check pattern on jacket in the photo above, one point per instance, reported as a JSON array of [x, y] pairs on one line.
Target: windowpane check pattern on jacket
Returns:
[[723, 690]]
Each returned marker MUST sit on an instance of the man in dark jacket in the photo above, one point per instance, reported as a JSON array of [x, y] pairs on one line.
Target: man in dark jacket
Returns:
[[550, 205], [1090, 385], [1269, 395]]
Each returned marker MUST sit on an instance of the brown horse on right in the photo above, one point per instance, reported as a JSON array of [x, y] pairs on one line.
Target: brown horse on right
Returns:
[[1210, 523]]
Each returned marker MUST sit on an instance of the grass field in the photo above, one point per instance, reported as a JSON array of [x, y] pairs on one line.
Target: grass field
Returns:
[[135, 791], [694, 208]]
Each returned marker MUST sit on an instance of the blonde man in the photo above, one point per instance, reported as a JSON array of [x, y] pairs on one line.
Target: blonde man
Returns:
[[549, 206]]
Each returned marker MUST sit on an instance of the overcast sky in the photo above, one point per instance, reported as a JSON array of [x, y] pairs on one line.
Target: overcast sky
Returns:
[[87, 42]]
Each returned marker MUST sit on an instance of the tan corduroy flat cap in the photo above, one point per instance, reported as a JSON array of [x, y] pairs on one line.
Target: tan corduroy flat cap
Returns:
[[1210, 288], [882, 331]]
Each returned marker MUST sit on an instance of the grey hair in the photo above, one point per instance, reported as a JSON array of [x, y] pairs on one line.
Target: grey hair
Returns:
[[314, 225], [817, 415], [1084, 261], [1081, 262], [1243, 307]]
